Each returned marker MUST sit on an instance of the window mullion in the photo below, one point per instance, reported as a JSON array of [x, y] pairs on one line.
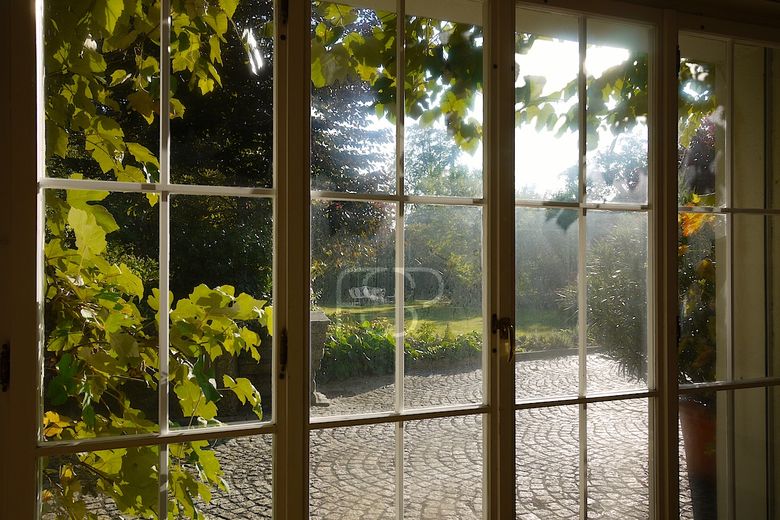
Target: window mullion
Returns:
[[164, 256], [400, 71], [499, 254], [582, 286]]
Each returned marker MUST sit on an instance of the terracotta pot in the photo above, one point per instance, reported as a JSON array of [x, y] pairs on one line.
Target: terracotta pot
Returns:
[[698, 421]]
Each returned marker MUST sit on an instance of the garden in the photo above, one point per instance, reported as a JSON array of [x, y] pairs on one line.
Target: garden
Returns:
[[101, 253]]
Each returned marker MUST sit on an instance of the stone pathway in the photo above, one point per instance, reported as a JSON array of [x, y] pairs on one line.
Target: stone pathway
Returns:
[[353, 470]]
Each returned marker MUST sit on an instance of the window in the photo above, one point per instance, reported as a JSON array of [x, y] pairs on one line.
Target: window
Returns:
[[727, 242], [301, 259]]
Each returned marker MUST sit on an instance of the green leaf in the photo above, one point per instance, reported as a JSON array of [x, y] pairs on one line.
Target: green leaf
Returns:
[[229, 6], [90, 237], [192, 401], [56, 140], [142, 102], [142, 154], [118, 76], [109, 462], [205, 378], [129, 282], [64, 383], [107, 13]]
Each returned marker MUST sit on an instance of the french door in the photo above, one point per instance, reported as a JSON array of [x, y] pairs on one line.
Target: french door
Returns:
[[384, 259]]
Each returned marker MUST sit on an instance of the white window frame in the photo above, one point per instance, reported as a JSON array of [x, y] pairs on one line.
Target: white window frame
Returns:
[[21, 235]]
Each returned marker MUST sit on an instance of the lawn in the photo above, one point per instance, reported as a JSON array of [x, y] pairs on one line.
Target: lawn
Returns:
[[539, 322]]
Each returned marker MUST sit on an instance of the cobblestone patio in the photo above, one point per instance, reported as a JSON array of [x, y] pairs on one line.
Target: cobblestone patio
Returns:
[[353, 470]]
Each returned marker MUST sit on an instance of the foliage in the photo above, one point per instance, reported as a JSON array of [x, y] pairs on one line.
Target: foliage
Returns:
[[617, 294], [697, 267], [102, 350], [359, 349], [535, 342]]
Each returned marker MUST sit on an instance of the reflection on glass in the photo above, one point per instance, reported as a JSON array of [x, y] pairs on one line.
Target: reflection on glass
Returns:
[[546, 106], [548, 463], [748, 128], [353, 54], [754, 292], [750, 453], [443, 468], [119, 483], [616, 64], [618, 460], [101, 90], [702, 121], [100, 359], [353, 473], [616, 268], [702, 287], [443, 112], [443, 305], [546, 296], [353, 339], [221, 258], [222, 94], [229, 478]]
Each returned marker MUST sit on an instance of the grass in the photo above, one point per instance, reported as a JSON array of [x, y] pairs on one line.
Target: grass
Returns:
[[538, 322]]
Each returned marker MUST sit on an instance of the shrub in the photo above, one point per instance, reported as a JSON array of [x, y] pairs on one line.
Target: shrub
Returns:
[[367, 348]]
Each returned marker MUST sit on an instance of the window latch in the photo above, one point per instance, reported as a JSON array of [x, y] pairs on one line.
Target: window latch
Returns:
[[5, 367], [506, 333], [283, 354]]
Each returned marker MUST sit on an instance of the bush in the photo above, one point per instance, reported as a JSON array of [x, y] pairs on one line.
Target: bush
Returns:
[[536, 342], [367, 348]]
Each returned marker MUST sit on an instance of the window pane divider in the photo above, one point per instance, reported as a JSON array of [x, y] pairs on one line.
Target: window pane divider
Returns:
[[584, 400], [389, 197], [729, 210], [340, 421], [53, 448], [582, 285], [164, 205], [730, 385], [155, 187]]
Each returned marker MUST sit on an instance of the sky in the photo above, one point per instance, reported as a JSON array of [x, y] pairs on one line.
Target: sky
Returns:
[[540, 156]]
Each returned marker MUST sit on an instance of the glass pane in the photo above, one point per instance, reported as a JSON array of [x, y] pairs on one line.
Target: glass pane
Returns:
[[773, 405], [102, 90], [750, 453], [222, 93], [227, 478], [353, 337], [618, 460], [221, 317], [120, 483], [443, 468], [100, 359], [443, 305], [748, 127], [443, 112], [702, 279], [546, 106], [353, 54], [353, 473], [702, 121], [618, 90], [755, 238], [702, 467], [724, 448], [548, 463], [616, 267], [546, 297], [774, 143]]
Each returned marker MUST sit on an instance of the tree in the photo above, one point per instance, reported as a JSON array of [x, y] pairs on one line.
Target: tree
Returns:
[[102, 105]]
